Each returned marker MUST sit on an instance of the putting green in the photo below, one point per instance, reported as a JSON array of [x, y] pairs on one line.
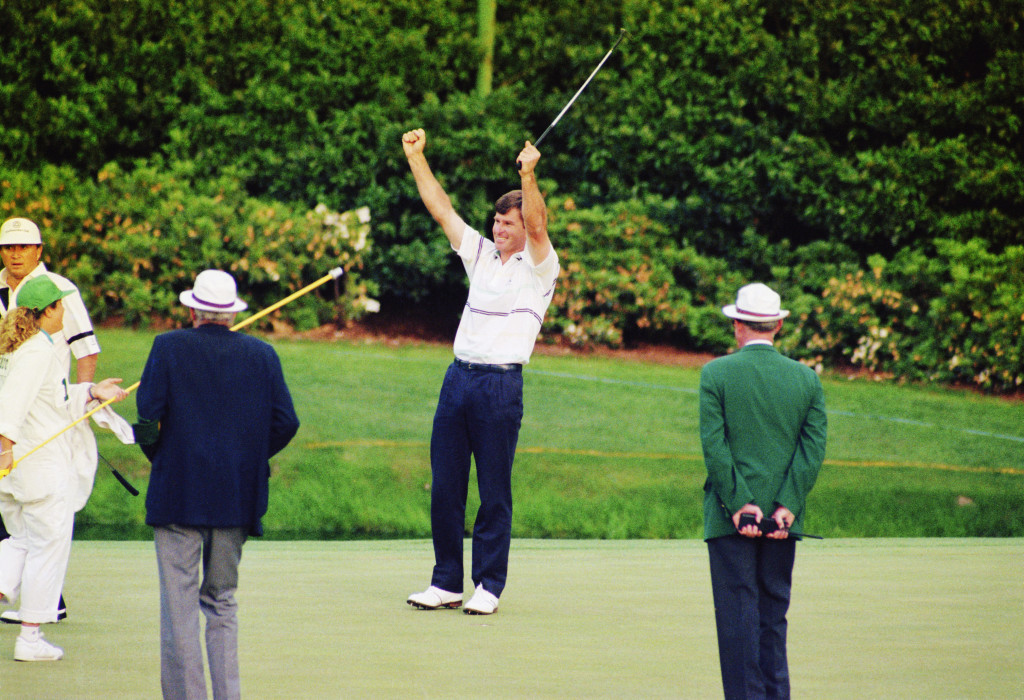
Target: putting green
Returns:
[[931, 618]]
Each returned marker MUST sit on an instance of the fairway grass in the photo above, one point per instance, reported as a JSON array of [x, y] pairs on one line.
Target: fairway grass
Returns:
[[609, 449], [871, 618]]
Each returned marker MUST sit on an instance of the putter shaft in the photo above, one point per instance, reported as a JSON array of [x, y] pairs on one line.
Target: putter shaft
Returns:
[[334, 274], [583, 87]]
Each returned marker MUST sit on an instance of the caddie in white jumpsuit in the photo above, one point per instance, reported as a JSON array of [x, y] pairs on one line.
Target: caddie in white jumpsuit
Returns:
[[21, 250], [38, 497]]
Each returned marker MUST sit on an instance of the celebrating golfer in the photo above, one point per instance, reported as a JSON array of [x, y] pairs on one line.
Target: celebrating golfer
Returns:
[[39, 497], [213, 409], [480, 408], [762, 428]]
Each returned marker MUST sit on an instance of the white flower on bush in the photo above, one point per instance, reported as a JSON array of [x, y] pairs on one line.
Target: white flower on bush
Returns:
[[575, 334], [343, 226], [370, 306], [868, 347]]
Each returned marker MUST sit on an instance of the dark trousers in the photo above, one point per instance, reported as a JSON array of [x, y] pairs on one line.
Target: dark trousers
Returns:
[[478, 414], [751, 579]]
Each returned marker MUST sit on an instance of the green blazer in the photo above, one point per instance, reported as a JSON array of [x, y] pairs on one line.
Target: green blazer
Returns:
[[762, 429]]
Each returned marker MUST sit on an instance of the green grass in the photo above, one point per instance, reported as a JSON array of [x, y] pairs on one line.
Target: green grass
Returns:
[[871, 618], [608, 449]]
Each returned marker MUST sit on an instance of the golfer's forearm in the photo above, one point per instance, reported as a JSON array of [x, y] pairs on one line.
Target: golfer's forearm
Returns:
[[437, 201], [535, 212]]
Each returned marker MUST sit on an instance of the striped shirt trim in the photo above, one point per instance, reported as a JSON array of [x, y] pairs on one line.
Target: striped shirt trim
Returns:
[[484, 312]]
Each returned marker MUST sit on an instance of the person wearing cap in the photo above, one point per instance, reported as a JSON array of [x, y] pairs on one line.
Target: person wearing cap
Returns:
[[480, 408], [37, 497], [21, 250], [213, 409], [762, 430]]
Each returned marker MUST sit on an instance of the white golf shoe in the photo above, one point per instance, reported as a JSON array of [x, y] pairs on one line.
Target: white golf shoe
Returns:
[[482, 603], [39, 650], [435, 598]]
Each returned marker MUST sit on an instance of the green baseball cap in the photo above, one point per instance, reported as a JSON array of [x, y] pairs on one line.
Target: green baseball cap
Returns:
[[39, 292]]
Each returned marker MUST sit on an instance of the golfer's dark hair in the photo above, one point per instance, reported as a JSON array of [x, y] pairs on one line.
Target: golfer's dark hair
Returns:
[[509, 201], [760, 326]]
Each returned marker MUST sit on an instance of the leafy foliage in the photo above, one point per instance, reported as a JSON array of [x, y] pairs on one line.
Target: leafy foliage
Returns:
[[132, 241], [748, 139], [954, 317]]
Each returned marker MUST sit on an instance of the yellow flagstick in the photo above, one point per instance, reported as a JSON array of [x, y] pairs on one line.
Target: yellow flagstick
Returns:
[[334, 274]]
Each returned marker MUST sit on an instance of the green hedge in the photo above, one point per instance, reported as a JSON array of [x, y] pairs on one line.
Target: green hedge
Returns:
[[133, 241], [793, 142], [954, 316], [877, 125]]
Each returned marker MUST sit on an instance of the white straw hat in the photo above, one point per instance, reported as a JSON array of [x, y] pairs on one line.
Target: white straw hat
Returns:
[[215, 291], [756, 302]]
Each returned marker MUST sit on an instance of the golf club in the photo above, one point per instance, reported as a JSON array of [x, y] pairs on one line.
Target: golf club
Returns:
[[119, 476], [583, 87], [334, 274]]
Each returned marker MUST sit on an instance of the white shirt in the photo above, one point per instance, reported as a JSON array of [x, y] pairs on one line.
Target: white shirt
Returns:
[[77, 336], [506, 303]]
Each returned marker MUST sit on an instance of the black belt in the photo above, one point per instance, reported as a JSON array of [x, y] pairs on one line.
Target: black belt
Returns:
[[488, 368]]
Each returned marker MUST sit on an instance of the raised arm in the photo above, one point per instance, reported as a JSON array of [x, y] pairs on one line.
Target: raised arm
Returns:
[[535, 212], [433, 195]]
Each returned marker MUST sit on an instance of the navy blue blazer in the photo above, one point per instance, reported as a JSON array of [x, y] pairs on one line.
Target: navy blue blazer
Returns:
[[224, 410]]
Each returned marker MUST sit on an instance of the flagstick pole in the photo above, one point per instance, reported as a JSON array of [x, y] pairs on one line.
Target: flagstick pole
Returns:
[[334, 274]]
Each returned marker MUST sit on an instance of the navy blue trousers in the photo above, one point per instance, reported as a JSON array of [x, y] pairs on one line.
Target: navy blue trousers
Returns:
[[751, 580], [478, 415]]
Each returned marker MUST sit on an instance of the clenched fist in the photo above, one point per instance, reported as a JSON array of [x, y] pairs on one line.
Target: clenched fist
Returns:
[[413, 142]]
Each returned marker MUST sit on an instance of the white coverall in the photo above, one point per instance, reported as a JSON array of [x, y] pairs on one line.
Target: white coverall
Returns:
[[38, 499]]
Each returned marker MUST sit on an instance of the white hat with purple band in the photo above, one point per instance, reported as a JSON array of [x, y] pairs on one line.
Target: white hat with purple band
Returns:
[[756, 302], [215, 291]]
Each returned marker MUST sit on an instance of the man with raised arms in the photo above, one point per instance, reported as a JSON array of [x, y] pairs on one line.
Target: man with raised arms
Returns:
[[511, 280]]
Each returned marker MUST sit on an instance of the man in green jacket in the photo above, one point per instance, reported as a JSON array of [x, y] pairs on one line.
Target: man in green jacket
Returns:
[[762, 429]]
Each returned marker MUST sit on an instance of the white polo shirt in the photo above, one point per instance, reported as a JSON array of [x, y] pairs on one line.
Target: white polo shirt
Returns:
[[77, 336], [506, 303]]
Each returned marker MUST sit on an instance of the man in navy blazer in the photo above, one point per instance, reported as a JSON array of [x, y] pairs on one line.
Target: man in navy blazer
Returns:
[[213, 408]]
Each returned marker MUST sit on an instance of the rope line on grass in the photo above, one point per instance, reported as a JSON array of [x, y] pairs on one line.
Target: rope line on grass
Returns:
[[845, 414], [870, 464], [692, 391]]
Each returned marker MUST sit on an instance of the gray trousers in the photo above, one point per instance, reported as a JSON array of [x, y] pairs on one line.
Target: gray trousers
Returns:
[[179, 552]]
